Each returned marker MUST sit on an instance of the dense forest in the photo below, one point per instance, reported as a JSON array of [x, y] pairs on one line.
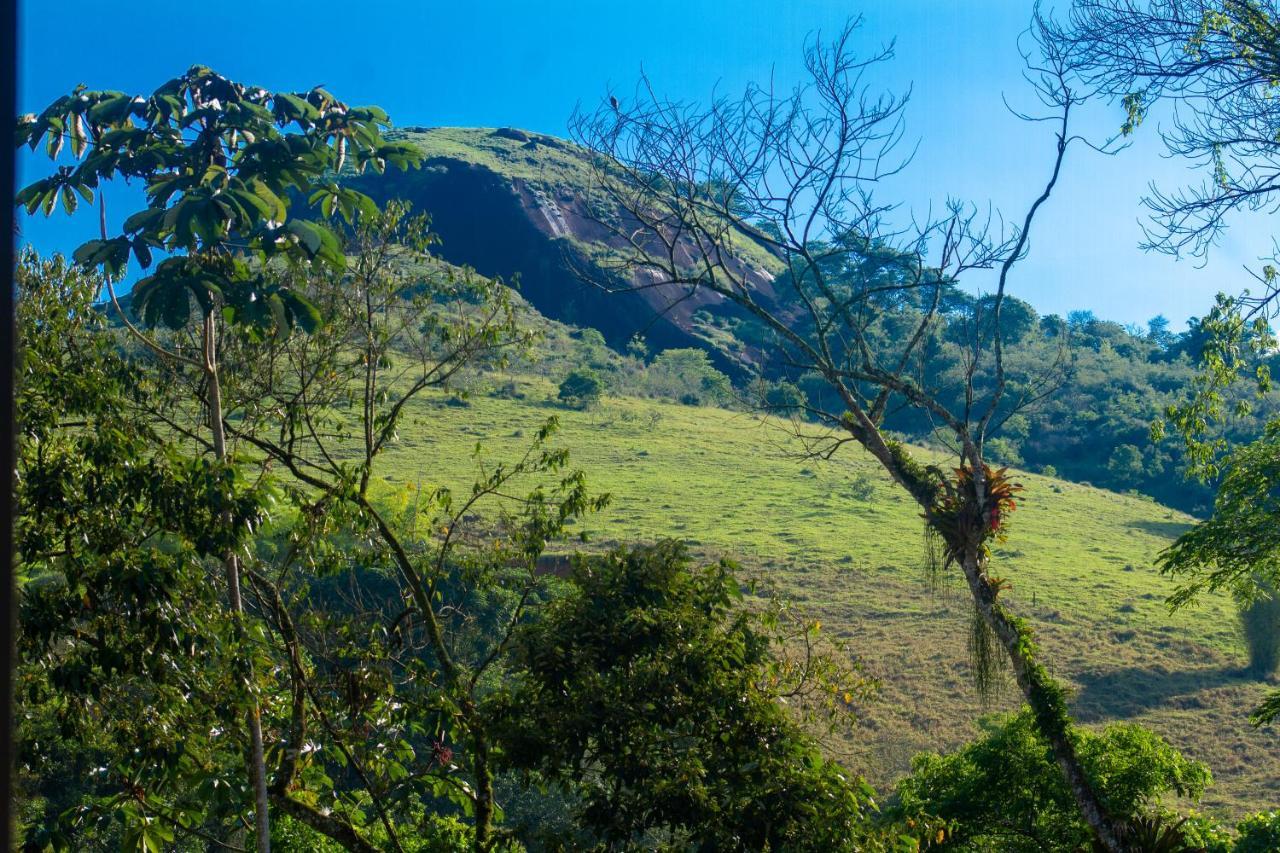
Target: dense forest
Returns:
[[690, 506]]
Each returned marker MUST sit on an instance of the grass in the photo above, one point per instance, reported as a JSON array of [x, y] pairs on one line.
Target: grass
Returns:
[[842, 541]]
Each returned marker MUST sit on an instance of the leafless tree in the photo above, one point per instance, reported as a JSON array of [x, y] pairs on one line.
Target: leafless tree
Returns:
[[689, 192]]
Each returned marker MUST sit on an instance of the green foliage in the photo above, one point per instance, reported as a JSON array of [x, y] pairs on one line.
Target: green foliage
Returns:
[[1232, 349], [221, 163], [687, 376], [1155, 834], [1005, 792], [1240, 543], [783, 398], [1110, 383], [1258, 833], [126, 658], [653, 695], [582, 388]]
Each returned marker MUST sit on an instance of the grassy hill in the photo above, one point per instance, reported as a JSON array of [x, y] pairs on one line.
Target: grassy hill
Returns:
[[842, 541]]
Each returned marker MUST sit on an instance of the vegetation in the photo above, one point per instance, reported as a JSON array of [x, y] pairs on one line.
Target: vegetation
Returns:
[[655, 697], [797, 170], [1219, 62], [216, 201], [581, 388], [304, 561], [1000, 792], [1111, 381]]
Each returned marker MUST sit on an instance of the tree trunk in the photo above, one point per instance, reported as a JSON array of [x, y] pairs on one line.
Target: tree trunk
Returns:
[[1046, 700], [484, 794], [257, 759]]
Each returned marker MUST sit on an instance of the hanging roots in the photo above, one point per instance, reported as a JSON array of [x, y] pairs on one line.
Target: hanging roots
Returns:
[[934, 560], [985, 659]]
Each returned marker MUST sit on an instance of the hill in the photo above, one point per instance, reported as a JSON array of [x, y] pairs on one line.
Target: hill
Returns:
[[519, 205], [838, 539]]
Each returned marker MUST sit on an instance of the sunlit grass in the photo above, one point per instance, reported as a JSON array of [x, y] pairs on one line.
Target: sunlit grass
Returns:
[[845, 543]]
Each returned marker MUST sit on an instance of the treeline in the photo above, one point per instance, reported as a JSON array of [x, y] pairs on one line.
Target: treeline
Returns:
[[1085, 391], [1092, 423]]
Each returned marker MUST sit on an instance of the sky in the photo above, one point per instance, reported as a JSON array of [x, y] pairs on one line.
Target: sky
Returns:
[[516, 63]]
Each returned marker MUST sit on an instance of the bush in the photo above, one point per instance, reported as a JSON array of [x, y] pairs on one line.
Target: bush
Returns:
[[581, 388], [783, 398], [687, 375], [1005, 792], [1259, 833]]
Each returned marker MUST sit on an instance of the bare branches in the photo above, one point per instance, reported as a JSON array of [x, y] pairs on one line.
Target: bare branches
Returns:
[[768, 202], [1216, 63]]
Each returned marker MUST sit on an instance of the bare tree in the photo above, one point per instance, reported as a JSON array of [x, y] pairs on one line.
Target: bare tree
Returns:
[[690, 192], [1215, 64]]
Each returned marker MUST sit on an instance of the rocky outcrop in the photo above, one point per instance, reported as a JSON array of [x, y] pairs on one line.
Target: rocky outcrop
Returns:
[[513, 204]]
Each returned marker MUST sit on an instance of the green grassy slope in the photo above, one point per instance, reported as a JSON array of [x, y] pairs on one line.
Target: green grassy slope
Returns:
[[840, 539]]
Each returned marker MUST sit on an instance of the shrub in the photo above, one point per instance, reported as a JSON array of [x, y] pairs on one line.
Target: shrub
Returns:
[[687, 375], [1259, 833], [581, 388], [1004, 791], [783, 398]]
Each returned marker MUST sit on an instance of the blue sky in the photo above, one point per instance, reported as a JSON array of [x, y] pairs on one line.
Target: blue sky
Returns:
[[488, 63]]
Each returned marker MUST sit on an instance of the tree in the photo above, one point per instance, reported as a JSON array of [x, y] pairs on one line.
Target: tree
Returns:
[[1237, 549], [221, 162], [654, 694], [126, 663], [404, 619], [688, 376], [795, 174], [1158, 331], [581, 387]]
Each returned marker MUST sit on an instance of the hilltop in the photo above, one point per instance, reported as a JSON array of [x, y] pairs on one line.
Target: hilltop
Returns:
[[519, 205]]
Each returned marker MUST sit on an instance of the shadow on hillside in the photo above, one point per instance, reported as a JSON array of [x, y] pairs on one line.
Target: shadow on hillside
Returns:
[[1171, 529], [1118, 694]]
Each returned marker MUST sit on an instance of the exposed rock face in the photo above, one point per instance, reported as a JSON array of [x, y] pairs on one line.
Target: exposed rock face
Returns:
[[512, 203]]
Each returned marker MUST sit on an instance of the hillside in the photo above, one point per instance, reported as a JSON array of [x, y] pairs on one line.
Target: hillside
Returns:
[[519, 205], [837, 538]]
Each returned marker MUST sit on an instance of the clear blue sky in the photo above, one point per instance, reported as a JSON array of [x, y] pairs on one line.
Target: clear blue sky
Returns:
[[489, 63]]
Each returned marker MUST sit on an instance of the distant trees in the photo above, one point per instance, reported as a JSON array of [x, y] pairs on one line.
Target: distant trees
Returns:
[[796, 172]]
